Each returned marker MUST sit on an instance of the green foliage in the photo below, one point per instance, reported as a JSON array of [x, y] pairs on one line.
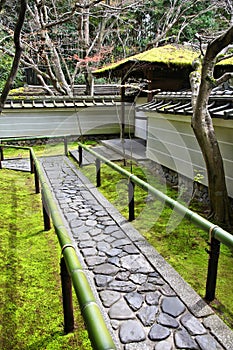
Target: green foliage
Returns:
[[31, 314], [110, 37], [5, 67]]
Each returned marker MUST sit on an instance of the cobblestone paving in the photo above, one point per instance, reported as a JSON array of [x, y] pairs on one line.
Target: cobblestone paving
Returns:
[[22, 164], [144, 309]]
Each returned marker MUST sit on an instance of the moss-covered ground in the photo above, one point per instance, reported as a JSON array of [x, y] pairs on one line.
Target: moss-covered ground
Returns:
[[182, 244], [31, 316]]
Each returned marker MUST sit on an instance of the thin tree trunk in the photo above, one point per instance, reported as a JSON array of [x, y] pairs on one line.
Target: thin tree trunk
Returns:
[[18, 52], [202, 84]]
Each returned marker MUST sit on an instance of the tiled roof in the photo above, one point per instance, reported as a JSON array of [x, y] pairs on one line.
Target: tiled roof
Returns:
[[77, 102], [220, 103]]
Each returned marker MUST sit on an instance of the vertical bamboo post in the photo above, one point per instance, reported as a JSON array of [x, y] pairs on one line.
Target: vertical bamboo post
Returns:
[[98, 172], [1, 157], [80, 155], [32, 165], [65, 145], [131, 186], [212, 269], [47, 224], [36, 181], [66, 298]]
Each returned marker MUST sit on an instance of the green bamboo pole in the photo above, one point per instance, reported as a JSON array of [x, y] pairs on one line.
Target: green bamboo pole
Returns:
[[97, 329], [216, 231]]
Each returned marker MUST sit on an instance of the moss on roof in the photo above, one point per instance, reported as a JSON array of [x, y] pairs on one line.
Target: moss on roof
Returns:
[[228, 61], [176, 55], [170, 55]]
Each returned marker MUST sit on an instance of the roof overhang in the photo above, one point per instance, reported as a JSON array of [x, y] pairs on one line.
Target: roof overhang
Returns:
[[168, 57], [179, 103]]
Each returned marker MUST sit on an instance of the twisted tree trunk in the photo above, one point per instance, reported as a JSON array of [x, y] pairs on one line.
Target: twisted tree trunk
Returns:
[[202, 83]]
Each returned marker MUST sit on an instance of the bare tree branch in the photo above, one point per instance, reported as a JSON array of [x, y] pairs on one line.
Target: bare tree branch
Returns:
[[225, 77]]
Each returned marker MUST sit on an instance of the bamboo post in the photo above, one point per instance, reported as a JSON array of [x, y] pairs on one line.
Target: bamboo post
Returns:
[[80, 155], [67, 298], [47, 224], [36, 181], [212, 269], [131, 186], [32, 165], [1, 157], [98, 172], [65, 145]]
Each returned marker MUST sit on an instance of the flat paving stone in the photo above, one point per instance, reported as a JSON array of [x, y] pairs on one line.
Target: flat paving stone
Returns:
[[158, 332], [152, 298], [138, 278], [109, 297], [147, 315], [183, 340], [172, 306], [132, 331], [91, 223], [192, 325], [207, 342], [164, 345], [106, 269], [143, 310], [89, 252], [95, 260], [121, 311], [167, 321], [123, 286], [135, 300], [136, 263], [114, 252], [102, 280]]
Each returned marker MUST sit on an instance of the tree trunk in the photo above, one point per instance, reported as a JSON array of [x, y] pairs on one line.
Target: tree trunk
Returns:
[[205, 135], [18, 52], [202, 84]]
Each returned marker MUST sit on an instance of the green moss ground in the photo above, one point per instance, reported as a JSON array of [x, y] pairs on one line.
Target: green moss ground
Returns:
[[182, 244], [31, 314]]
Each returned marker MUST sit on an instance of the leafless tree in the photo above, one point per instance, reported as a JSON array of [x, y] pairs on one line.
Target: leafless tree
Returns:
[[60, 39], [179, 13]]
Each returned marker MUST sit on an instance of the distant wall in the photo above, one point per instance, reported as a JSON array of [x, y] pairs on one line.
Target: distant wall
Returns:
[[172, 143], [86, 121], [140, 120]]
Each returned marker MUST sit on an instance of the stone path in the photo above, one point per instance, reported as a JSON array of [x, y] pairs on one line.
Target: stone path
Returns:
[[131, 148], [21, 164], [88, 158], [146, 304]]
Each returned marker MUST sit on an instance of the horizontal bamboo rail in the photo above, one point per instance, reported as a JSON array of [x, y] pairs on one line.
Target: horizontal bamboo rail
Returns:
[[216, 233], [97, 330], [99, 335]]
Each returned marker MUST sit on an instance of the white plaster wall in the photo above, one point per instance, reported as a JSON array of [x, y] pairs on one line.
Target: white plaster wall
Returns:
[[85, 121], [172, 143]]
